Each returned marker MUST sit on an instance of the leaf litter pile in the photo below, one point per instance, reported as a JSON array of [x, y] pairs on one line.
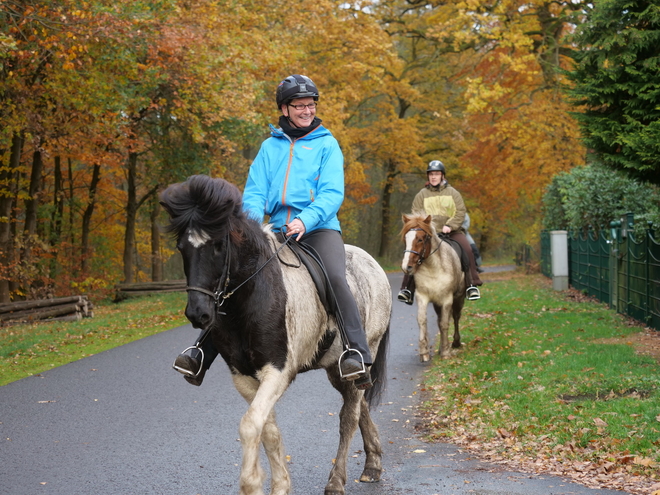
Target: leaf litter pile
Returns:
[[550, 382]]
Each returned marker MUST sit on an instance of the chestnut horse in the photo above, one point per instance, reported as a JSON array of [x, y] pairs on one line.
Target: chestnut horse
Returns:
[[268, 323], [438, 278]]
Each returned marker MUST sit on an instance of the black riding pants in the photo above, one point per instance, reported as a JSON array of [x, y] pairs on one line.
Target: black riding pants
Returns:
[[330, 247]]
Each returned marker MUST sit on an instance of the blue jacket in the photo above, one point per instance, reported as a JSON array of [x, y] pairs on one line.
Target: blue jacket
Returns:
[[297, 179]]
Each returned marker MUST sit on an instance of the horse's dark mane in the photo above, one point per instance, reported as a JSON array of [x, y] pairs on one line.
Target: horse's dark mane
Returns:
[[203, 203]]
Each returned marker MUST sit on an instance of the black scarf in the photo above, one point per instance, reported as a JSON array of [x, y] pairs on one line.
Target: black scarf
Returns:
[[297, 132]]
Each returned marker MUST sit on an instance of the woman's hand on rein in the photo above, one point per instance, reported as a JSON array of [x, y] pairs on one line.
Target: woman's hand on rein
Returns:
[[295, 228]]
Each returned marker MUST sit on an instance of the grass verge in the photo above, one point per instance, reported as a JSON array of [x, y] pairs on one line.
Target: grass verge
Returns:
[[30, 349], [533, 384]]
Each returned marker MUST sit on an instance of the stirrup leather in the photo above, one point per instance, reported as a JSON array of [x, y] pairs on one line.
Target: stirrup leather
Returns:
[[343, 356], [189, 372]]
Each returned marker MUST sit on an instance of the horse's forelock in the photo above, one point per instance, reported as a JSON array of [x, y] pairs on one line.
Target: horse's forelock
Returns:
[[416, 222], [202, 204]]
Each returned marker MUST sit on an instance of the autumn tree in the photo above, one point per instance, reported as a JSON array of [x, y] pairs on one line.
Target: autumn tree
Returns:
[[517, 121], [102, 104], [31, 44]]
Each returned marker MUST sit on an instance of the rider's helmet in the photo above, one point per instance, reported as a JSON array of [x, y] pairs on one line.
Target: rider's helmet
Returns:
[[295, 86], [436, 166]]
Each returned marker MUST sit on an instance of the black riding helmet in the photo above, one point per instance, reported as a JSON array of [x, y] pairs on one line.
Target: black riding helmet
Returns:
[[436, 166], [295, 86]]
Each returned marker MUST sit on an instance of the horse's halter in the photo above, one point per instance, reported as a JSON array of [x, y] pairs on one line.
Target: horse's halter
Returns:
[[427, 247]]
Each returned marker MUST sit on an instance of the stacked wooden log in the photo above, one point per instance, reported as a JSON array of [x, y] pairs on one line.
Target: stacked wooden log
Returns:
[[124, 291], [71, 308]]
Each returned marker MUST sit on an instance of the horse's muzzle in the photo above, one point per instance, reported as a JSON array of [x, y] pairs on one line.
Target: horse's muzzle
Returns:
[[200, 311]]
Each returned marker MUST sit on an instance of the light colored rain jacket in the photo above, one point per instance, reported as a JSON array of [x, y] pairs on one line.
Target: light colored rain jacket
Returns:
[[443, 202]]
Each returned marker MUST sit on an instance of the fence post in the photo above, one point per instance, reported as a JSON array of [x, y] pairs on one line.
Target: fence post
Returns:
[[615, 234], [559, 257]]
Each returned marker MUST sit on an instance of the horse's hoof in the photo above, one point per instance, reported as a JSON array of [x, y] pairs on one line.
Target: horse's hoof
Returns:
[[424, 358], [370, 476], [456, 345]]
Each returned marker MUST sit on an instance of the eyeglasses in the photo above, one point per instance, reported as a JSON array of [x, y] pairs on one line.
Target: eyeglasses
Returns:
[[311, 106]]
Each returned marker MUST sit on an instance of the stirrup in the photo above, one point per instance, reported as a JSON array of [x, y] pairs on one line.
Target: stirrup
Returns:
[[186, 371], [355, 373], [405, 296], [473, 293]]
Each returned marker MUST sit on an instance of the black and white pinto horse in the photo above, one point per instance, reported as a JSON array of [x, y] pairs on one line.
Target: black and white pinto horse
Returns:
[[268, 324]]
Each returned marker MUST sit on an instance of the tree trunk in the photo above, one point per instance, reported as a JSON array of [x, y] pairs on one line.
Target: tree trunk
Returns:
[[131, 213], [132, 207], [32, 203], [58, 203], [87, 218], [71, 223], [386, 210], [56, 216], [156, 259], [6, 205]]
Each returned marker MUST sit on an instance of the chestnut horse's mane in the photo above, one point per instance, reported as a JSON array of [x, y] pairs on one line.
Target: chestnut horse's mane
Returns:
[[416, 221]]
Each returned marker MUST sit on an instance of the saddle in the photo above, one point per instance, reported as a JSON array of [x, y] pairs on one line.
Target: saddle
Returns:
[[462, 255], [310, 258], [312, 261]]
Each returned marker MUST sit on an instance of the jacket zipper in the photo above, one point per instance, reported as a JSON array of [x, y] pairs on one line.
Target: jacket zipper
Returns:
[[286, 182]]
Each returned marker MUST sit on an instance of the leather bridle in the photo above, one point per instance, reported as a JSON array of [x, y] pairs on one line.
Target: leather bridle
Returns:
[[221, 293], [427, 246]]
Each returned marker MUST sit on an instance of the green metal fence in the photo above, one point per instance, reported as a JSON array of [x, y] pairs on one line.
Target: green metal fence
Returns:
[[546, 268], [589, 264], [638, 277], [616, 267]]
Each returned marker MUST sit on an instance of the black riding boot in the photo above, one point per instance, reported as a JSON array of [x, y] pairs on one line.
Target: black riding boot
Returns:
[[407, 292], [193, 365]]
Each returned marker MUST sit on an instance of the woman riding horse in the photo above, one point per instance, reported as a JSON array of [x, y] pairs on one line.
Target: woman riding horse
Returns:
[[446, 205], [297, 179]]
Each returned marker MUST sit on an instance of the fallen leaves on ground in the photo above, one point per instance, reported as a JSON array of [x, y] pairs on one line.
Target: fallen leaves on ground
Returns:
[[611, 471]]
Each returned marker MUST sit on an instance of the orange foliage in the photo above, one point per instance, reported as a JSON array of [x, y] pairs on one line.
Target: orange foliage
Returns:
[[518, 125], [189, 87]]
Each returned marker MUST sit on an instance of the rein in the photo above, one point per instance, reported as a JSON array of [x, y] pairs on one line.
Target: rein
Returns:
[[220, 294], [427, 239]]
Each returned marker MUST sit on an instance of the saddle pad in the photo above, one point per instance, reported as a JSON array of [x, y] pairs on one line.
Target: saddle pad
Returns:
[[462, 255]]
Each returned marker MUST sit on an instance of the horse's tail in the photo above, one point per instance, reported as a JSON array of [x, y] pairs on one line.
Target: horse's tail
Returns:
[[379, 371]]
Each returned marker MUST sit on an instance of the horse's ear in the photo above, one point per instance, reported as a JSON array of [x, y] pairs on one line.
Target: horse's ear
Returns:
[[428, 219], [405, 218]]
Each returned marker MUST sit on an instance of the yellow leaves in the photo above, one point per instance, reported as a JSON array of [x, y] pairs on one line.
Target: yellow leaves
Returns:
[[480, 95]]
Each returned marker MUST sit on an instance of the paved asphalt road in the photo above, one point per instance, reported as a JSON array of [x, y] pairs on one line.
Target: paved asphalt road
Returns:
[[123, 422]]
